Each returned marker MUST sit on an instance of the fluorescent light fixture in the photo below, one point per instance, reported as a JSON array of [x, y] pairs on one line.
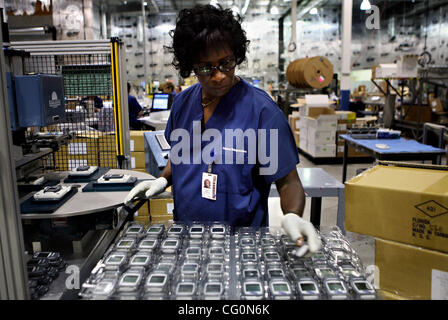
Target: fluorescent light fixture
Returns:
[[274, 10], [365, 5], [313, 10], [145, 3]]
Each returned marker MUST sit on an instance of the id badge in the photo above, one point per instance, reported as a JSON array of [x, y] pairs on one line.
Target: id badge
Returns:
[[209, 185]]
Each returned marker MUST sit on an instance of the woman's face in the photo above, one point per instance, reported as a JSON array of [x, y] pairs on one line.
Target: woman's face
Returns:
[[218, 83]]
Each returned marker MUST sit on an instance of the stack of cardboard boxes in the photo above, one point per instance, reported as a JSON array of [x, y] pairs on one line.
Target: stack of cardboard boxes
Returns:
[[161, 207], [406, 210], [81, 150], [137, 146], [346, 119], [317, 125]]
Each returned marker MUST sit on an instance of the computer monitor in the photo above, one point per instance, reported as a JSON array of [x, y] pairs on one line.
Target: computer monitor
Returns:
[[161, 102]]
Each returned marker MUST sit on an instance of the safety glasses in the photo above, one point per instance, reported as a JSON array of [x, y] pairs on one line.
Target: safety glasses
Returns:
[[207, 69]]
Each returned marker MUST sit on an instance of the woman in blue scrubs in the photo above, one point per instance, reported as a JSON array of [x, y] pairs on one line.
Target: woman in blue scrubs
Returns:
[[210, 42]]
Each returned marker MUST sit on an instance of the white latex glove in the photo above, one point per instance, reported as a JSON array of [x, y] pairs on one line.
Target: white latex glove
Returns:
[[297, 228], [146, 189]]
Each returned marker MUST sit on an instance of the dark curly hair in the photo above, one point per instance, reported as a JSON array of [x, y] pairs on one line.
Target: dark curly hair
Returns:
[[202, 27]]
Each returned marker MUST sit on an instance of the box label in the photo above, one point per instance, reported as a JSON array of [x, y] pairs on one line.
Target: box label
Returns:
[[132, 162], [132, 145], [77, 148], [439, 285], [170, 207], [424, 228]]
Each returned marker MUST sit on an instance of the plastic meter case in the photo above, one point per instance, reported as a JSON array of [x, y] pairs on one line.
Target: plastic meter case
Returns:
[[335, 289], [280, 290], [197, 231], [308, 289], [252, 290], [176, 230], [155, 230], [140, 260], [213, 290], [134, 230], [130, 280], [126, 243], [215, 270], [185, 290], [193, 253], [218, 231], [104, 289], [362, 289], [148, 244], [171, 246], [115, 262], [157, 282]]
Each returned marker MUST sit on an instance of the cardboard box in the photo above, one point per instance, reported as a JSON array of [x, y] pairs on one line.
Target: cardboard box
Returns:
[[145, 220], [412, 113], [294, 122], [342, 127], [322, 119], [435, 103], [161, 206], [322, 151], [137, 160], [137, 141], [321, 137], [411, 272], [161, 218], [408, 205], [303, 143], [143, 211]]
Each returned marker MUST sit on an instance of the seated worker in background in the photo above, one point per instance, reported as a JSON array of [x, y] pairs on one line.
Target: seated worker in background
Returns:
[[135, 111], [210, 42], [97, 102], [178, 89]]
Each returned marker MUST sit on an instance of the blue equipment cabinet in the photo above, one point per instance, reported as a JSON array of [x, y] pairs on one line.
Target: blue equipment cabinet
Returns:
[[12, 102], [40, 100]]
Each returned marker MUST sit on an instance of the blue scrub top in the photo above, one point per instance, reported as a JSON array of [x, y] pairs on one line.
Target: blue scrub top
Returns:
[[242, 193], [134, 108]]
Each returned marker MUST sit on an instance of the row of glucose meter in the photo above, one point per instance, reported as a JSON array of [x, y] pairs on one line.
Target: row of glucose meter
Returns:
[[209, 261]]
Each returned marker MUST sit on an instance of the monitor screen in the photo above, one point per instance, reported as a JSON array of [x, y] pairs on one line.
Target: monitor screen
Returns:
[[161, 101]]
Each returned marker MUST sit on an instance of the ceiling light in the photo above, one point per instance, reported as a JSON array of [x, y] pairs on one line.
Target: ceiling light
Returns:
[[313, 11], [145, 3], [365, 5], [274, 10]]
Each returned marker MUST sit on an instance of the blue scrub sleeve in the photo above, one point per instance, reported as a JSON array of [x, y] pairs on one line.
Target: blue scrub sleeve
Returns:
[[287, 155], [169, 125]]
